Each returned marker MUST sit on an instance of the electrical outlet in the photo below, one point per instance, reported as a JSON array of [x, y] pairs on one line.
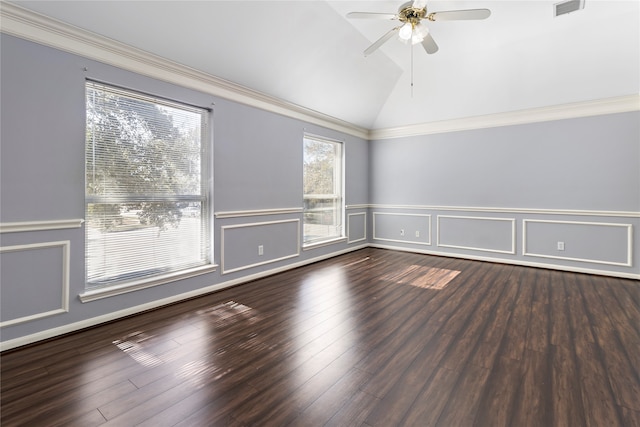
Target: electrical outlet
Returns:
[[417, 233], [402, 231], [561, 246], [260, 250]]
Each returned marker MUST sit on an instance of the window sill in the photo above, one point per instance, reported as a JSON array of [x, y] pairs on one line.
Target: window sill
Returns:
[[123, 288], [324, 243]]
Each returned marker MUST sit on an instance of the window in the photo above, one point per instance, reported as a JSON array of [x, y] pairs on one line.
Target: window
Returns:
[[322, 182], [146, 201]]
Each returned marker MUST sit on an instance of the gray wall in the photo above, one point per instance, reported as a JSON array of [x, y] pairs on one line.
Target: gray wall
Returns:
[[257, 165], [512, 193], [508, 193]]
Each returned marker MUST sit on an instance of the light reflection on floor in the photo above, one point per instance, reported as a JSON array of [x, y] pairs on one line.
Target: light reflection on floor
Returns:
[[423, 277], [200, 372], [323, 299], [201, 366], [132, 345], [230, 312]]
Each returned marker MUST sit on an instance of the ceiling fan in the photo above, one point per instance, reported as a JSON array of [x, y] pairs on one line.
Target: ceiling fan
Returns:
[[412, 29]]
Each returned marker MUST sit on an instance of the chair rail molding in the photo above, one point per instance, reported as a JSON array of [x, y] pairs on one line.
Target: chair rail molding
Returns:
[[61, 224]]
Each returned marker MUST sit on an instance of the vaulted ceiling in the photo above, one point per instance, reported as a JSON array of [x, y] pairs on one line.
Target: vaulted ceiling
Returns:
[[308, 53]]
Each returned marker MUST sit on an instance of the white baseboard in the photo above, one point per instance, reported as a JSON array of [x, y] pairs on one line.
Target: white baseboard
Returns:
[[512, 262]]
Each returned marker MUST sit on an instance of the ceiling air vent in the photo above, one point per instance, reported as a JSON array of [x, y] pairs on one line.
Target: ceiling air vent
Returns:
[[567, 7]]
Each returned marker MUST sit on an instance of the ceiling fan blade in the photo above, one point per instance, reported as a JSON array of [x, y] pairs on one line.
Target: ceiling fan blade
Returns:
[[419, 4], [380, 41], [460, 15], [429, 44], [372, 15]]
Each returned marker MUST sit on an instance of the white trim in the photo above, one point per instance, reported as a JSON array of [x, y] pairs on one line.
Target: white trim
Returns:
[[64, 304], [528, 211], [136, 285], [512, 261], [361, 206], [223, 270], [316, 245], [349, 227], [257, 212], [65, 329], [413, 242], [513, 234], [629, 227], [47, 31], [619, 104], [60, 224], [321, 138]]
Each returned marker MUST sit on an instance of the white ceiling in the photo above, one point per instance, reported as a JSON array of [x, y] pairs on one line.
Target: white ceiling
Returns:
[[308, 53]]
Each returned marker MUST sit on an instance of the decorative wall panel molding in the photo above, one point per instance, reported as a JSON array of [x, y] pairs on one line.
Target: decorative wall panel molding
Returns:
[[251, 245], [36, 289], [356, 227], [402, 227], [590, 242], [15, 227], [477, 233]]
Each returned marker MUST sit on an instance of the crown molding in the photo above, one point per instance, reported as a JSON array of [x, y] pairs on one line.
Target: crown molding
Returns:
[[620, 104], [41, 29]]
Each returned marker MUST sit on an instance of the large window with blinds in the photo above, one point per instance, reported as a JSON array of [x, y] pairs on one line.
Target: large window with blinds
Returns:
[[323, 209], [146, 201]]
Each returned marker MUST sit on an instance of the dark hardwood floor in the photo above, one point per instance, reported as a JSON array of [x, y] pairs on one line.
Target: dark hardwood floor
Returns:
[[371, 338]]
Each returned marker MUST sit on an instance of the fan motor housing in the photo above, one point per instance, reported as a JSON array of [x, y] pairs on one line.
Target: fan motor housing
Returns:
[[408, 13]]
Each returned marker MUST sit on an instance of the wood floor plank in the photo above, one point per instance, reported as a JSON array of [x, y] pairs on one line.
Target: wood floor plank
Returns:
[[567, 409], [560, 329], [579, 322], [533, 406], [514, 340], [332, 400], [462, 407], [355, 411], [500, 395], [73, 413], [597, 397], [432, 400], [393, 407], [622, 378], [370, 338]]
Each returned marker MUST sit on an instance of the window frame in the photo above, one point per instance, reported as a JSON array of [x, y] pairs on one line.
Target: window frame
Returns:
[[339, 187], [110, 287]]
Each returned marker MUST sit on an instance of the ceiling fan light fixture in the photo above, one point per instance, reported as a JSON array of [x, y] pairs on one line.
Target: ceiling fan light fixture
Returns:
[[419, 33], [406, 31]]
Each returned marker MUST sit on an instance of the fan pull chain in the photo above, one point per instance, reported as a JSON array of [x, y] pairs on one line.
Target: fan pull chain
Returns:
[[411, 47]]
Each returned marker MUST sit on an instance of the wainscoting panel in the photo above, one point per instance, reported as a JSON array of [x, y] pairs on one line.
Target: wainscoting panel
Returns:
[[251, 245], [35, 281], [356, 227], [594, 242], [402, 227], [477, 233]]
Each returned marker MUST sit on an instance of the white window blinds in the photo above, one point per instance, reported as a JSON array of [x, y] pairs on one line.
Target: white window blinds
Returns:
[[146, 194]]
